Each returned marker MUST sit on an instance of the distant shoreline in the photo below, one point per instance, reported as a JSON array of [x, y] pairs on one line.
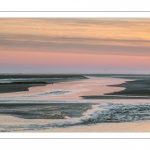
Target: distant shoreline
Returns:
[[27, 81], [137, 89], [65, 76]]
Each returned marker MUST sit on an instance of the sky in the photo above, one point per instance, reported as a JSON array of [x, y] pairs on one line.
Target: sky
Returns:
[[75, 45]]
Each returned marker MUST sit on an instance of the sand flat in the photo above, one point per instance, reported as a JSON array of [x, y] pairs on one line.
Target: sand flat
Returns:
[[143, 126]]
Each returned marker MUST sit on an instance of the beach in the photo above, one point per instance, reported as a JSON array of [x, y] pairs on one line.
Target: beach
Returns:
[[109, 128], [75, 104]]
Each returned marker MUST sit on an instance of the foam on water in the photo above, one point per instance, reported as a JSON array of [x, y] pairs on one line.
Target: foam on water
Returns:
[[100, 113], [38, 95], [51, 93]]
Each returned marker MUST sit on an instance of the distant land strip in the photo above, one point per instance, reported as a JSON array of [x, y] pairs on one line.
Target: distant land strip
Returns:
[[137, 89], [65, 76], [30, 80]]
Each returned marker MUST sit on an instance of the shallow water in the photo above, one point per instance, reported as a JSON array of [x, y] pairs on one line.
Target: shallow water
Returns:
[[59, 107], [67, 90]]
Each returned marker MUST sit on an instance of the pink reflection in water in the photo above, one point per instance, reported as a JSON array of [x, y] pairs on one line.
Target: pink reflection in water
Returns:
[[74, 89]]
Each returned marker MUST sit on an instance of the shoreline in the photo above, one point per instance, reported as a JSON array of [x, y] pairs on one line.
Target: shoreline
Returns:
[[136, 89], [138, 126], [27, 81], [113, 116]]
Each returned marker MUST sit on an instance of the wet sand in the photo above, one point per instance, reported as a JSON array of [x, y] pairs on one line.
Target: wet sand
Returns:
[[44, 110], [143, 126], [72, 90], [122, 113], [27, 81], [134, 88], [138, 88]]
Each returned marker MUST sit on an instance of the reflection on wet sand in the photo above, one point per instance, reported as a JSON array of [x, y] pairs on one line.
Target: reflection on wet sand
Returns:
[[68, 90], [60, 108]]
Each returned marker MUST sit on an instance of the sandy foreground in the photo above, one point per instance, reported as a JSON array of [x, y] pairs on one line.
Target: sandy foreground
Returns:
[[108, 127]]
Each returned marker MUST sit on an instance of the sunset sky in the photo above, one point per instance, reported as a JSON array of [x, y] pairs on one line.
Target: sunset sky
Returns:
[[74, 45]]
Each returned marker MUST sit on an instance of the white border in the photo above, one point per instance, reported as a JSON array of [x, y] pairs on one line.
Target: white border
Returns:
[[75, 14], [75, 135], [74, 5]]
